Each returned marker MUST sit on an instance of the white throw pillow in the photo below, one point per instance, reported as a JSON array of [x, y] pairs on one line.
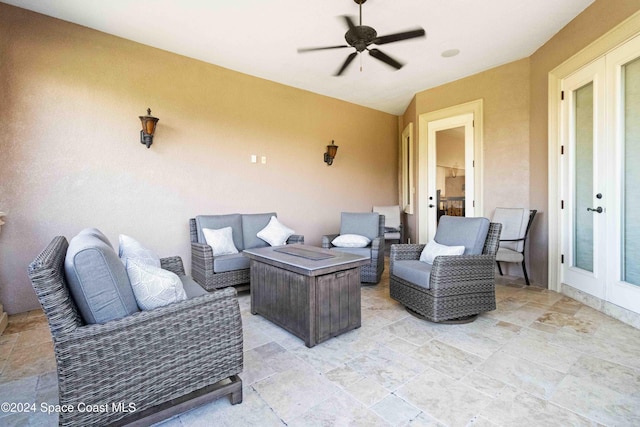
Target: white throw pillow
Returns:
[[220, 240], [351, 241], [433, 249], [154, 287], [130, 248], [275, 233]]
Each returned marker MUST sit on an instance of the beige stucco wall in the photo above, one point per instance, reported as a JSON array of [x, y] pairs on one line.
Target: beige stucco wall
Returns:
[[70, 155]]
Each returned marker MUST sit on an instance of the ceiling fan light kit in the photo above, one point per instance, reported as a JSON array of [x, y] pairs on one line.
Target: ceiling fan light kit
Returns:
[[361, 37]]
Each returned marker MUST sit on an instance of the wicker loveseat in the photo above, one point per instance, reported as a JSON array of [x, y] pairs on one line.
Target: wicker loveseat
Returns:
[[215, 272], [145, 366], [453, 288]]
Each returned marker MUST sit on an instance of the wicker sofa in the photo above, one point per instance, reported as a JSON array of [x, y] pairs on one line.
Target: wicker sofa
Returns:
[[215, 272], [153, 363]]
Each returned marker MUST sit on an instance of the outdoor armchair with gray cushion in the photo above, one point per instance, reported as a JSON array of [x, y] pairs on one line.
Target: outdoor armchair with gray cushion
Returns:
[[154, 363], [371, 226], [393, 231], [516, 223], [215, 272], [454, 287]]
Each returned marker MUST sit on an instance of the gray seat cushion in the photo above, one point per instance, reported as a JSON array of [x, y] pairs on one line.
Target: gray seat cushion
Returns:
[[463, 231], [217, 222], [191, 288], [414, 271], [98, 280], [251, 225], [224, 263], [361, 223], [508, 255]]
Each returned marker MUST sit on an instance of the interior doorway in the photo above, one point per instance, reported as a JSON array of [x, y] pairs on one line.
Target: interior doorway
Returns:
[[449, 165]]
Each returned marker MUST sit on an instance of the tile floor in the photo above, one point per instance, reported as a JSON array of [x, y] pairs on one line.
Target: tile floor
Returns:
[[540, 359]]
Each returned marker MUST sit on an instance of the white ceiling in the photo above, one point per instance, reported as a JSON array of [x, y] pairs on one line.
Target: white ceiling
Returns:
[[261, 38]]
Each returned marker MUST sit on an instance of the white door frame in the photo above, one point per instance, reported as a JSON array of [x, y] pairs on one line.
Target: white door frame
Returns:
[[609, 41], [475, 108]]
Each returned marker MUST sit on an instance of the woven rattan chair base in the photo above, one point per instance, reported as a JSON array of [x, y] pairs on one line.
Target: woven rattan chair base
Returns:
[[458, 321]]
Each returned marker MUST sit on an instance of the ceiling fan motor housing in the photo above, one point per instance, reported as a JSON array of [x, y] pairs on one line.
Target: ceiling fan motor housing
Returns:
[[360, 37]]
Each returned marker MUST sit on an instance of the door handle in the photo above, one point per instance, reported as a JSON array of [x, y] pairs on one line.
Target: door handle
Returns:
[[431, 206], [598, 209]]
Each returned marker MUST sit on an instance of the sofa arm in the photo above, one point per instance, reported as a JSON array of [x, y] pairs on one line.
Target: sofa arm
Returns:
[[326, 240], [150, 357], [295, 238], [202, 264], [453, 274], [173, 264]]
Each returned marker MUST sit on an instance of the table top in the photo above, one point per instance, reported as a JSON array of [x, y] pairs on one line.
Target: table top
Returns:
[[331, 260]]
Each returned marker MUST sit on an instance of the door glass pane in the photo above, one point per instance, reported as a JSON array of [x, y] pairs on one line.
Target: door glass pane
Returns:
[[631, 195], [583, 219], [450, 172]]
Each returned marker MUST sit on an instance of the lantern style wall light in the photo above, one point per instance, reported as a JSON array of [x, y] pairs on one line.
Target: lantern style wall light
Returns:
[[330, 154], [148, 128]]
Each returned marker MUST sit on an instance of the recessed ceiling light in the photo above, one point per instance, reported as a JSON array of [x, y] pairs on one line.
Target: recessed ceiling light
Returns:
[[449, 53]]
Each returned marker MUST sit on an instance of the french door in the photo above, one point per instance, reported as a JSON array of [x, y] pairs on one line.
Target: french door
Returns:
[[600, 125]]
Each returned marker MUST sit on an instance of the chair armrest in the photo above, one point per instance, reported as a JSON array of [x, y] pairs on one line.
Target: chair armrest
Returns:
[[173, 264], [327, 239], [152, 355], [295, 238], [406, 251], [202, 263], [460, 271], [377, 243]]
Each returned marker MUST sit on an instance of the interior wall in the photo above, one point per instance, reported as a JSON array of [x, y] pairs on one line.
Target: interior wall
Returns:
[[592, 23], [71, 157], [505, 94]]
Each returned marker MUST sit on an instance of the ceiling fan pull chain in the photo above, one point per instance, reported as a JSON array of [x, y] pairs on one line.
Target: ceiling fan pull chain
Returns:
[[360, 55]]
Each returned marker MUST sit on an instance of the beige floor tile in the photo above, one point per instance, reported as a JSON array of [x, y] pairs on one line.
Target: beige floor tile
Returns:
[[514, 407], [529, 376], [539, 359], [443, 398]]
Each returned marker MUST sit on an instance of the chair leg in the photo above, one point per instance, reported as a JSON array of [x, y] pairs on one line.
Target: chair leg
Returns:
[[499, 268], [524, 270]]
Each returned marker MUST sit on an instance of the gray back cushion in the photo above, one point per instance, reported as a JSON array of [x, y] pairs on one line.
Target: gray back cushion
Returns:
[[216, 222], [364, 224], [251, 225], [97, 233], [462, 231], [98, 280]]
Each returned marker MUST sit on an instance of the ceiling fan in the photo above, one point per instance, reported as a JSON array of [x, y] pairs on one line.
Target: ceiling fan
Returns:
[[361, 37]]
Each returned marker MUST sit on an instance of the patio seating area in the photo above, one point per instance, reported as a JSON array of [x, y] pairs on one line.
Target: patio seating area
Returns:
[[528, 362]]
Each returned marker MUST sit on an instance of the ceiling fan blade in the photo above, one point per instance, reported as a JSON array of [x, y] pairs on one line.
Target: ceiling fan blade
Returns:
[[312, 49], [350, 58], [406, 35], [349, 22], [385, 58]]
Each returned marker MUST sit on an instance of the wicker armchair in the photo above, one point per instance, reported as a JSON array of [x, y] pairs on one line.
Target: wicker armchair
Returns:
[[454, 289], [153, 363], [363, 224]]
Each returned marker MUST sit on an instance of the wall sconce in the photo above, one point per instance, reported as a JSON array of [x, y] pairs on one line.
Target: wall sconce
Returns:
[[148, 128], [330, 154]]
